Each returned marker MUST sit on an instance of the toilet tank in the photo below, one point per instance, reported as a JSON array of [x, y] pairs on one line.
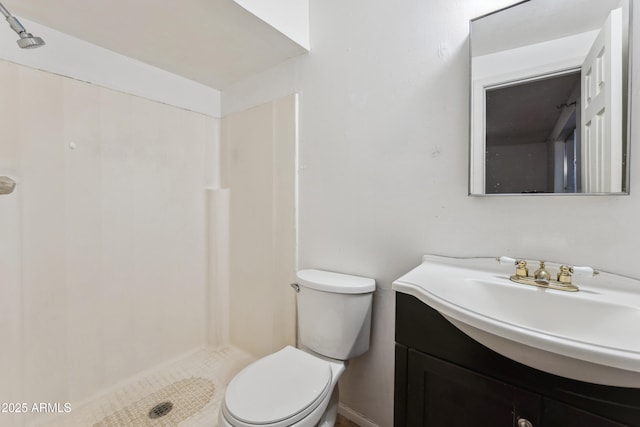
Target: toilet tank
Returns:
[[334, 313]]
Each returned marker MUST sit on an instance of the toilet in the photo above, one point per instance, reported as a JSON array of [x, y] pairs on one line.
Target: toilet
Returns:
[[299, 387]]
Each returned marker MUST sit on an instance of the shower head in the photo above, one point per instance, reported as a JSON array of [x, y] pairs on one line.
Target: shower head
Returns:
[[26, 40], [29, 41]]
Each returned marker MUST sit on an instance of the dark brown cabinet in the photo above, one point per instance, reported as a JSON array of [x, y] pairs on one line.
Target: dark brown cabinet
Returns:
[[446, 379], [443, 394], [557, 414]]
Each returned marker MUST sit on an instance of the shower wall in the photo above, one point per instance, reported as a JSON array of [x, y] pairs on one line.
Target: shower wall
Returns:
[[258, 152], [103, 242]]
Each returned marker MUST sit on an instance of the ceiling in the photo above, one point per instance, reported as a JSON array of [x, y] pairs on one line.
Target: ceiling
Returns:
[[528, 112], [537, 21], [213, 42]]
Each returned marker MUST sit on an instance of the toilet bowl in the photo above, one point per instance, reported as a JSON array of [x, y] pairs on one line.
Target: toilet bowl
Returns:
[[294, 387]]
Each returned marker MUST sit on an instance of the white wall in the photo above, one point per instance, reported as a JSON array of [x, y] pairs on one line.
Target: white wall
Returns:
[[383, 165], [258, 148]]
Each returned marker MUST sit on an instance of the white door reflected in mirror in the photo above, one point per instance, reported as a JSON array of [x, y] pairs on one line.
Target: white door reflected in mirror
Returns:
[[601, 76]]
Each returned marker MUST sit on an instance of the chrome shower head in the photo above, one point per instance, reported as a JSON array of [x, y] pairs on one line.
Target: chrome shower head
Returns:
[[27, 40]]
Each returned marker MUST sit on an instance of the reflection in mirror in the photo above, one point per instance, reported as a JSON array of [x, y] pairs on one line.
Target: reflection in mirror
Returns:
[[549, 101], [520, 119]]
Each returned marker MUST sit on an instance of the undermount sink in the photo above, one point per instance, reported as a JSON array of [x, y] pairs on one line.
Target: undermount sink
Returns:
[[591, 335]]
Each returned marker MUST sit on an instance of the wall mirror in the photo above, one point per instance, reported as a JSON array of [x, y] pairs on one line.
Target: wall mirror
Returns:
[[550, 98]]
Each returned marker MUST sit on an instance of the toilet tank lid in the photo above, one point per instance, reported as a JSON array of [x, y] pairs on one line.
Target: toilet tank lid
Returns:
[[339, 283]]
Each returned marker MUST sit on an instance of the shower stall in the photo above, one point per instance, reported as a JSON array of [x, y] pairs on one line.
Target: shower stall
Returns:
[[133, 234], [103, 251]]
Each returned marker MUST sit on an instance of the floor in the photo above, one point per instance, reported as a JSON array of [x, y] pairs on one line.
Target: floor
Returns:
[[343, 422], [187, 393]]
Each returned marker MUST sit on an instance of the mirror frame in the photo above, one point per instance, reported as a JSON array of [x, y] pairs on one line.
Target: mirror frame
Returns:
[[477, 152]]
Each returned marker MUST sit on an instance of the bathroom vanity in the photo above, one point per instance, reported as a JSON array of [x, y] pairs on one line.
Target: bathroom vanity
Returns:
[[445, 378], [477, 345]]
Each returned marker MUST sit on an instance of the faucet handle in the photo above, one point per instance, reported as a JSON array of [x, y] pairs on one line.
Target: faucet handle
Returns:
[[584, 271], [565, 271], [507, 260], [564, 274], [521, 265]]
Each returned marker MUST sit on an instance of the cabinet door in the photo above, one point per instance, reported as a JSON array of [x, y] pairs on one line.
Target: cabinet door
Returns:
[[440, 394], [556, 414]]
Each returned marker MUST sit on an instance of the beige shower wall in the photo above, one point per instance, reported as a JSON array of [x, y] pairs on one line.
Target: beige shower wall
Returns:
[[103, 270], [258, 149]]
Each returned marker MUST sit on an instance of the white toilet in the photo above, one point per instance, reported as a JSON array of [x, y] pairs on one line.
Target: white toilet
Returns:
[[294, 387]]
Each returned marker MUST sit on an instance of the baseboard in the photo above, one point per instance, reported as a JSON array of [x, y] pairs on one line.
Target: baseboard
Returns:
[[354, 416]]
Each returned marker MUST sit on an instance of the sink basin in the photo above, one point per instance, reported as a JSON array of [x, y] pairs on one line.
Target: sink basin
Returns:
[[591, 335]]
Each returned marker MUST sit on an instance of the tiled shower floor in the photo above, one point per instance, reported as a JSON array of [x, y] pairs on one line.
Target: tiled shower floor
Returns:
[[194, 386]]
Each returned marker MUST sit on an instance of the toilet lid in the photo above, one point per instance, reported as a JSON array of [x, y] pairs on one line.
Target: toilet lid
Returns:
[[278, 387]]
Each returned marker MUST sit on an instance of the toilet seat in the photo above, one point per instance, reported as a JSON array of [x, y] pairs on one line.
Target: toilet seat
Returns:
[[278, 390]]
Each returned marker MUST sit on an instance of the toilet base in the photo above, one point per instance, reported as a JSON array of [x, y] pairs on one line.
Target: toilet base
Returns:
[[329, 417]]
